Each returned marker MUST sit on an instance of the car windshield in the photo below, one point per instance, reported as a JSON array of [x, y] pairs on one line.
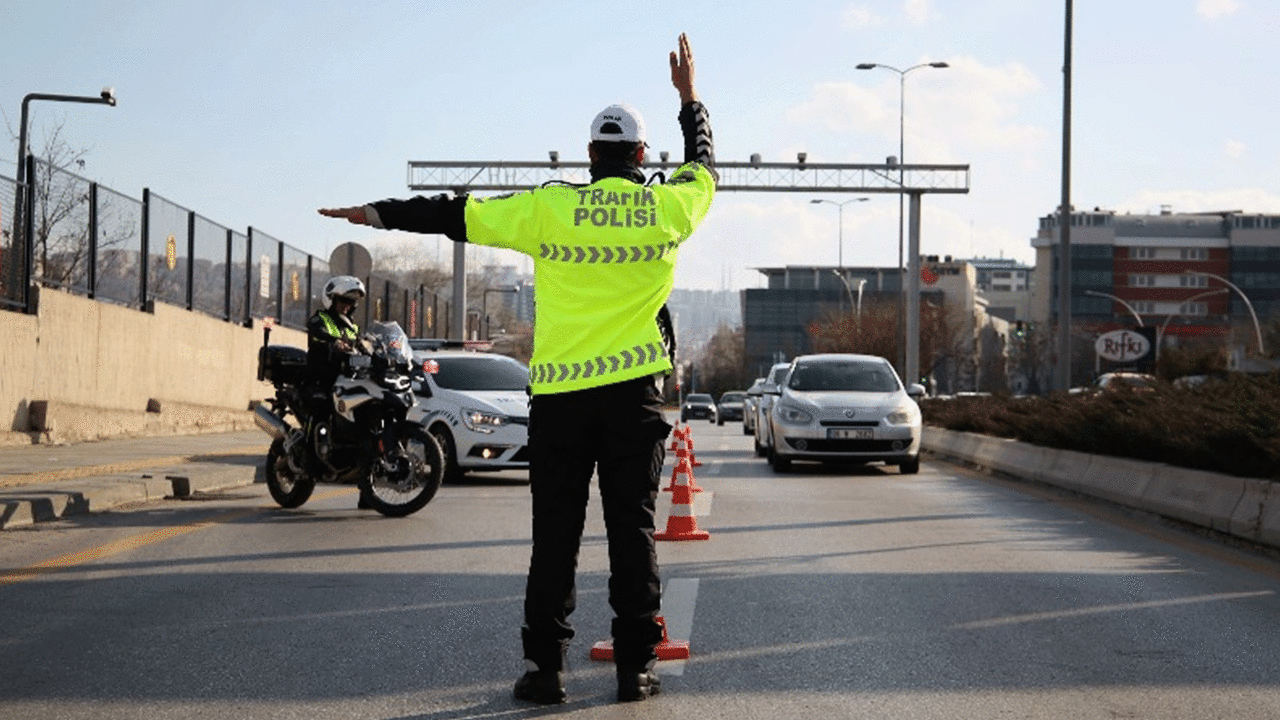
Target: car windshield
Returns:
[[732, 397], [479, 372], [704, 399], [852, 376], [778, 374]]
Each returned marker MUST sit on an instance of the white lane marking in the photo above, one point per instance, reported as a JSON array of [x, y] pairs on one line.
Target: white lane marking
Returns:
[[678, 600]]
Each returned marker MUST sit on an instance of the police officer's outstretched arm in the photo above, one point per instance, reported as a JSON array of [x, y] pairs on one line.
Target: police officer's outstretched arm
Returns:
[[695, 124]]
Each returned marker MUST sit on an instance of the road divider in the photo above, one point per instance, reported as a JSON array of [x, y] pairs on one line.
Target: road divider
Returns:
[[1248, 508]]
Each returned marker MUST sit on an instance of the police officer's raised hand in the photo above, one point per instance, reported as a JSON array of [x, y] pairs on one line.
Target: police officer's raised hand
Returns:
[[682, 71], [354, 215]]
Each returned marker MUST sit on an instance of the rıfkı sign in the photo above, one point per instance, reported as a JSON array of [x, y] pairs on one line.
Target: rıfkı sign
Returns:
[[1122, 346]]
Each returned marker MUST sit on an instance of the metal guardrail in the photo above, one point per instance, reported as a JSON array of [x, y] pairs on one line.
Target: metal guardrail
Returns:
[[94, 241]]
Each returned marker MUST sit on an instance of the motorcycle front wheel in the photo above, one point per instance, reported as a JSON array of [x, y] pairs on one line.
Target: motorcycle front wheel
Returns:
[[287, 488], [410, 476]]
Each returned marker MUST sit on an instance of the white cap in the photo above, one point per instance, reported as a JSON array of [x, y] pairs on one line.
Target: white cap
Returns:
[[618, 123]]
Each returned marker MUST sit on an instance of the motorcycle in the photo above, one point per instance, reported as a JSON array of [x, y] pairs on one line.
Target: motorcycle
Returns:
[[366, 429]]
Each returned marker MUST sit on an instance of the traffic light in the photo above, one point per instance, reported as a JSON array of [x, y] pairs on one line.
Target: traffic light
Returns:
[[1018, 329]]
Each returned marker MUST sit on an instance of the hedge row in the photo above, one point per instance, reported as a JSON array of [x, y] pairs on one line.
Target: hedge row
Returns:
[[1229, 426]]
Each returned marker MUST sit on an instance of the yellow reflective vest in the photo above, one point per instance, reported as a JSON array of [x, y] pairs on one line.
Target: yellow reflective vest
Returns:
[[604, 258]]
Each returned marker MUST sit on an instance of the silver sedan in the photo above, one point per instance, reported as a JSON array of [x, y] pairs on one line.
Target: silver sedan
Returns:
[[842, 408]]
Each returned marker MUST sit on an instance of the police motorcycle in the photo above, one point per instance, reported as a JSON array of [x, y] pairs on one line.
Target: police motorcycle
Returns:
[[374, 436]]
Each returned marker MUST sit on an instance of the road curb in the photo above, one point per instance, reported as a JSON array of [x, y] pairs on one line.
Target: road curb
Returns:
[[1248, 508], [24, 506]]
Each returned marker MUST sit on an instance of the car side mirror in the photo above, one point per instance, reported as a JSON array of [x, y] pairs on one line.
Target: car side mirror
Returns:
[[915, 391]]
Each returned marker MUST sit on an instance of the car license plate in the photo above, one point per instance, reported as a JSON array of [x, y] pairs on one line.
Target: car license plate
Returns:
[[849, 433]]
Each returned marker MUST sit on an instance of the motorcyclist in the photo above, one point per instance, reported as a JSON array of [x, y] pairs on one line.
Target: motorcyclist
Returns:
[[332, 337], [331, 333]]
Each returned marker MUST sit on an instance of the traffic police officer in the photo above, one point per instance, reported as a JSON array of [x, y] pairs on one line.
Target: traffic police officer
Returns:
[[604, 259], [331, 336]]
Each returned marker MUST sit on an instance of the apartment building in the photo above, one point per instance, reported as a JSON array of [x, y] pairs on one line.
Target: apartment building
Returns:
[[1171, 271]]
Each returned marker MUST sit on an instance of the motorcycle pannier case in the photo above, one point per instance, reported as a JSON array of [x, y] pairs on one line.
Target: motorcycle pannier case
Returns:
[[282, 364]]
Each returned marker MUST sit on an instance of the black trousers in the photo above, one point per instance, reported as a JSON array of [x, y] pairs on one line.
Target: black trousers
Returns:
[[618, 432]]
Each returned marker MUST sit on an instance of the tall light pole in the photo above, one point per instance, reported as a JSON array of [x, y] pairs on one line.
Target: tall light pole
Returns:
[[841, 206], [902, 125], [484, 303], [1256, 327], [106, 97], [1165, 324], [1126, 305]]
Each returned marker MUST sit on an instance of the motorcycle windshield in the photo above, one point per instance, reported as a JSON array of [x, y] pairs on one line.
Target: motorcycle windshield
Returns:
[[390, 342]]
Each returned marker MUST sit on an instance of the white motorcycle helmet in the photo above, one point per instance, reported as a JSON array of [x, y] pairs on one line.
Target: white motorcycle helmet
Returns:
[[344, 286]]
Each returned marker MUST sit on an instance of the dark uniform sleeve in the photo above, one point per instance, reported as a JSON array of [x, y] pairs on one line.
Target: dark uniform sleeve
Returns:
[[436, 215], [695, 124]]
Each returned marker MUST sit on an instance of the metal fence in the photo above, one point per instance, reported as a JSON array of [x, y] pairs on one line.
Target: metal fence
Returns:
[[93, 241]]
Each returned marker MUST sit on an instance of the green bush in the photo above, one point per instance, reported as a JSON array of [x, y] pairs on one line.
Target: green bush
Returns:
[[1227, 426]]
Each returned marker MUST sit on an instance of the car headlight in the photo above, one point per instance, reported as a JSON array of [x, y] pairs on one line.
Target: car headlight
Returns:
[[904, 415], [792, 415], [481, 421]]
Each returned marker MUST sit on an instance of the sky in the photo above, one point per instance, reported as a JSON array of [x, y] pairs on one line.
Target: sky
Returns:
[[256, 113]]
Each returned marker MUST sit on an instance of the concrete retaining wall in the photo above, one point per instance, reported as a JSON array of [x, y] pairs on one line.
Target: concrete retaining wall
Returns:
[[1245, 507], [83, 370]]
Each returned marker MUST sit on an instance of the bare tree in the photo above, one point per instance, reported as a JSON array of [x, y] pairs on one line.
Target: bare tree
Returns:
[[722, 366]]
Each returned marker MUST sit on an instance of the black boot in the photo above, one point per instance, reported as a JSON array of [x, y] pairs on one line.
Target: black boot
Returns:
[[638, 684], [545, 687]]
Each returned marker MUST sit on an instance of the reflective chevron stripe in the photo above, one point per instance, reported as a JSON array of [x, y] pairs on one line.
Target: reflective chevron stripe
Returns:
[[544, 373], [593, 254]]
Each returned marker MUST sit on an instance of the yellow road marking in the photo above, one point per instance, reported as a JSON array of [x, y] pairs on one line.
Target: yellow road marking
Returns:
[[134, 542]]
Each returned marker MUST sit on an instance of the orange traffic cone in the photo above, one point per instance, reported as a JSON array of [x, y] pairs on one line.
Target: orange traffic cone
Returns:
[[682, 524], [682, 467], [668, 649], [688, 442]]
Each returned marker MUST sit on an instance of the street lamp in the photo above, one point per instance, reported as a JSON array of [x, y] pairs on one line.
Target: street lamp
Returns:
[[106, 97], [484, 303], [902, 115], [1165, 324], [1126, 305], [861, 283], [840, 205], [1256, 327]]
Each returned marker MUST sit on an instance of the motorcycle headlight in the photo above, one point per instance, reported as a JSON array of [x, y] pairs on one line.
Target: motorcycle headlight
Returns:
[[903, 415], [793, 415], [481, 421]]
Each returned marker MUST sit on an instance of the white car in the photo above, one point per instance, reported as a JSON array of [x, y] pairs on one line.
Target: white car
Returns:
[[476, 405], [837, 408], [768, 391]]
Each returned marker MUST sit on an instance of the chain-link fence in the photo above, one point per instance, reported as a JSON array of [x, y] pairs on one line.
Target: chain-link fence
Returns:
[[93, 241]]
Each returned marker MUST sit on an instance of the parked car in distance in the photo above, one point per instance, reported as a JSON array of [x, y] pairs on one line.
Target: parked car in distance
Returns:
[[842, 408], [698, 406], [770, 389], [477, 407], [749, 404], [730, 406], [1116, 380]]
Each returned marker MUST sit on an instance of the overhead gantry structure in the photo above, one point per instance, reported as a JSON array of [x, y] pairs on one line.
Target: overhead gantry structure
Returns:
[[753, 176]]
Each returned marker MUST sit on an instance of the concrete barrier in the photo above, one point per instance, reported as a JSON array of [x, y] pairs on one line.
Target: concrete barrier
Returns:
[[83, 370], [1195, 496], [1246, 518], [1117, 479], [1244, 507]]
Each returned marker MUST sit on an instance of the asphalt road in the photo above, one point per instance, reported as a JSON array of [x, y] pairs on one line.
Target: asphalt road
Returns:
[[825, 593]]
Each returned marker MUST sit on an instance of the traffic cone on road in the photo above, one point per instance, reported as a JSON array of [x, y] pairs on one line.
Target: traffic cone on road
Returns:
[[682, 467], [668, 649], [682, 524], [688, 443]]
